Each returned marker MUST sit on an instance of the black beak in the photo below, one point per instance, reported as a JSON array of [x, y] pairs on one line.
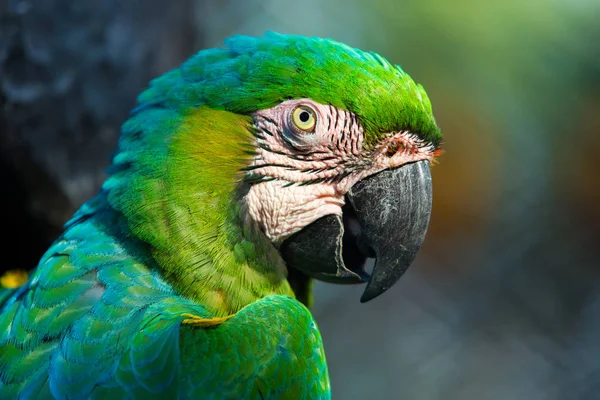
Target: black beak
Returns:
[[386, 217]]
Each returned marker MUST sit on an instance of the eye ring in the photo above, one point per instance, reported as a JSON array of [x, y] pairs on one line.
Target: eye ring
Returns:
[[304, 118]]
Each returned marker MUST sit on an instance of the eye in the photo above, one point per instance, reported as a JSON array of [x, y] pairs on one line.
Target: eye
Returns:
[[304, 118]]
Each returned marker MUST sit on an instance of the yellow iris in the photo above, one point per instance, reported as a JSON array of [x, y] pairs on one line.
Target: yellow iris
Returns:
[[304, 118]]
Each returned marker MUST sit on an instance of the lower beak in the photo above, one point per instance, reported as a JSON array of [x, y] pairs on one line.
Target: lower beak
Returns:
[[387, 218]]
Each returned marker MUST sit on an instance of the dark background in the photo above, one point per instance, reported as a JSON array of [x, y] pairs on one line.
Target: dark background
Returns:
[[503, 302]]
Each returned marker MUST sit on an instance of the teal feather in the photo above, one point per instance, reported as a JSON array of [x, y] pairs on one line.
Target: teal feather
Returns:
[[92, 338]]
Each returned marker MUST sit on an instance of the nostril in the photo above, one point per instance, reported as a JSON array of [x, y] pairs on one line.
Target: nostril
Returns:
[[391, 149]]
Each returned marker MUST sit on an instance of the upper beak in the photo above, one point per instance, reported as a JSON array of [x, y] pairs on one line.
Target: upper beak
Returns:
[[386, 218]]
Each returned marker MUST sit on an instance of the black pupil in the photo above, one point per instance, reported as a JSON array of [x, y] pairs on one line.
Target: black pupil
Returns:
[[304, 116]]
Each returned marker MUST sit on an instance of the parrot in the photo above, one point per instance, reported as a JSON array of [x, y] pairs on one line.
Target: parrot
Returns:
[[240, 177]]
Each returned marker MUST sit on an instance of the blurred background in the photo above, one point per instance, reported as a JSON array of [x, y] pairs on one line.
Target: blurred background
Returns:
[[503, 302]]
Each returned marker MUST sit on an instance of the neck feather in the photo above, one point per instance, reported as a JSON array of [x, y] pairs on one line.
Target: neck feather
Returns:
[[182, 196]]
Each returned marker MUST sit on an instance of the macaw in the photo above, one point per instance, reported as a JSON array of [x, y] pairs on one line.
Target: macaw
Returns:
[[239, 177]]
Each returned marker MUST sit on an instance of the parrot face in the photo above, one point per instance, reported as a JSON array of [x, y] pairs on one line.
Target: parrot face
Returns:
[[329, 201]]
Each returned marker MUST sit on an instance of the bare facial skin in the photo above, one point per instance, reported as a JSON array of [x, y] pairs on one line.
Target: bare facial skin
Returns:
[[307, 172]]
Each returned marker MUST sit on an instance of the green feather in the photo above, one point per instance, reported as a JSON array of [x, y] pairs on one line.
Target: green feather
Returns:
[[253, 73], [183, 194], [103, 314]]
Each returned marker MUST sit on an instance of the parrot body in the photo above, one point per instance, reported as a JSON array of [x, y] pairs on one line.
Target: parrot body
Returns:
[[171, 282], [95, 321]]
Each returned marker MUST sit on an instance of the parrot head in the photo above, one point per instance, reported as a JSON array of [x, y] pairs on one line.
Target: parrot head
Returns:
[[336, 165], [341, 171], [329, 200]]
